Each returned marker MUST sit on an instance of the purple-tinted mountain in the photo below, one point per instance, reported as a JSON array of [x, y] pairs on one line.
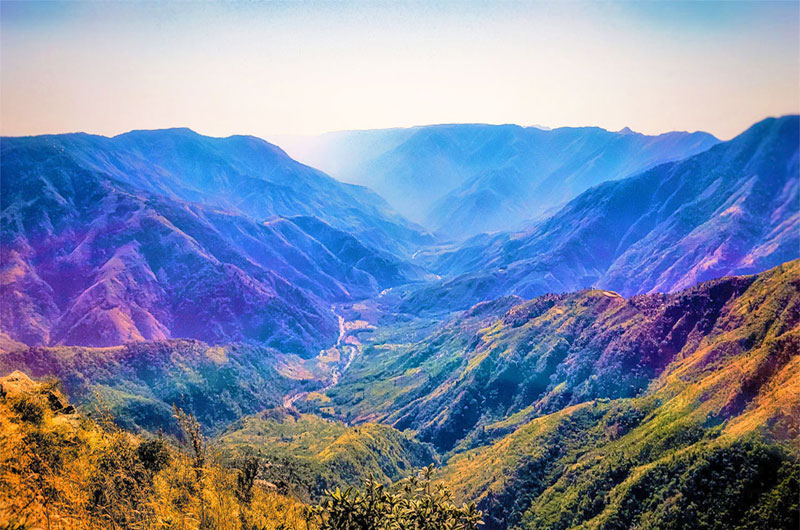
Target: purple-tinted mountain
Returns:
[[463, 179], [101, 247], [240, 174], [731, 210]]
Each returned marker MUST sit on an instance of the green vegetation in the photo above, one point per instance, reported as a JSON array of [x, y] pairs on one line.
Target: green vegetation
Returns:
[[308, 455], [567, 412], [60, 470], [481, 373], [412, 504], [139, 382], [627, 464]]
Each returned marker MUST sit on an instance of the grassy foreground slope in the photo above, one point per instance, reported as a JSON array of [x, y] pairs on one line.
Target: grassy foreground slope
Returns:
[[61, 470], [712, 443]]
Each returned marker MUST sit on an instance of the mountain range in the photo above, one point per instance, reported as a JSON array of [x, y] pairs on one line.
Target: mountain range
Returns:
[[730, 210], [461, 381], [592, 410], [165, 234], [460, 180], [623, 353]]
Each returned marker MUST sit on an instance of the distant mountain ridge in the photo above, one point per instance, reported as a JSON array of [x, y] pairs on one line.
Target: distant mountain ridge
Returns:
[[730, 210], [463, 179]]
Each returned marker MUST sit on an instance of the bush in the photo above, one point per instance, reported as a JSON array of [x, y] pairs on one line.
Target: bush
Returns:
[[28, 408], [154, 454], [412, 504]]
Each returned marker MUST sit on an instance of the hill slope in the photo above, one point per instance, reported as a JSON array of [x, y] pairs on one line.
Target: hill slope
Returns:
[[63, 469], [312, 454], [141, 381], [484, 372], [712, 443], [240, 174]]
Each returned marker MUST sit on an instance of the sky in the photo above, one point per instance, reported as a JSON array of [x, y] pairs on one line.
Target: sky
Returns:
[[284, 68]]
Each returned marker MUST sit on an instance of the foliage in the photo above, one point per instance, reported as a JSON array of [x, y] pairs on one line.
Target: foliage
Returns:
[[629, 465], [67, 471], [414, 503], [140, 381], [306, 455], [457, 383]]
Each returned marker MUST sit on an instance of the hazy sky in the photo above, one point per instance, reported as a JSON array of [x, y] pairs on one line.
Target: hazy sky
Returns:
[[310, 67]]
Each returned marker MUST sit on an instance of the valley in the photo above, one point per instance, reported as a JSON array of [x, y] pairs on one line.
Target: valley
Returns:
[[390, 265], [345, 353], [591, 367]]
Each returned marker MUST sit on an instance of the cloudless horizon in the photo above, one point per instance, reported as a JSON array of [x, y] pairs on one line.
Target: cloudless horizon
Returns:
[[294, 68]]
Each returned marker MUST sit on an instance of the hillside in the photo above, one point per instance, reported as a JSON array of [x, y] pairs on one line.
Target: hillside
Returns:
[[593, 411], [712, 443], [463, 179], [609, 367], [65, 470], [590, 410], [483, 372], [312, 454], [629, 464], [730, 210], [96, 254], [61, 469], [240, 174], [140, 382]]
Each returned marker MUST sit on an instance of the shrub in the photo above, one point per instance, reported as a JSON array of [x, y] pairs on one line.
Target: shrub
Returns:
[[154, 454], [413, 504], [28, 408]]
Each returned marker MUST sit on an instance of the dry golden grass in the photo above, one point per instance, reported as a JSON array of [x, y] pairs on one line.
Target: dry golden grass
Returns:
[[62, 471]]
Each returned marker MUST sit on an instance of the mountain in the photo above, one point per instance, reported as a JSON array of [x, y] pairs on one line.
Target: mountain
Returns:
[[240, 174], [730, 210], [711, 442], [660, 411], [631, 361], [481, 373], [463, 179], [101, 246]]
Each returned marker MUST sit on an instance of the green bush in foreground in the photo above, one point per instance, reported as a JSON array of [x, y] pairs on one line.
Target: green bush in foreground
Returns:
[[412, 504]]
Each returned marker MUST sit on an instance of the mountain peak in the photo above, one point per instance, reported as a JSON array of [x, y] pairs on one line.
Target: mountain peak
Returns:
[[184, 131]]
